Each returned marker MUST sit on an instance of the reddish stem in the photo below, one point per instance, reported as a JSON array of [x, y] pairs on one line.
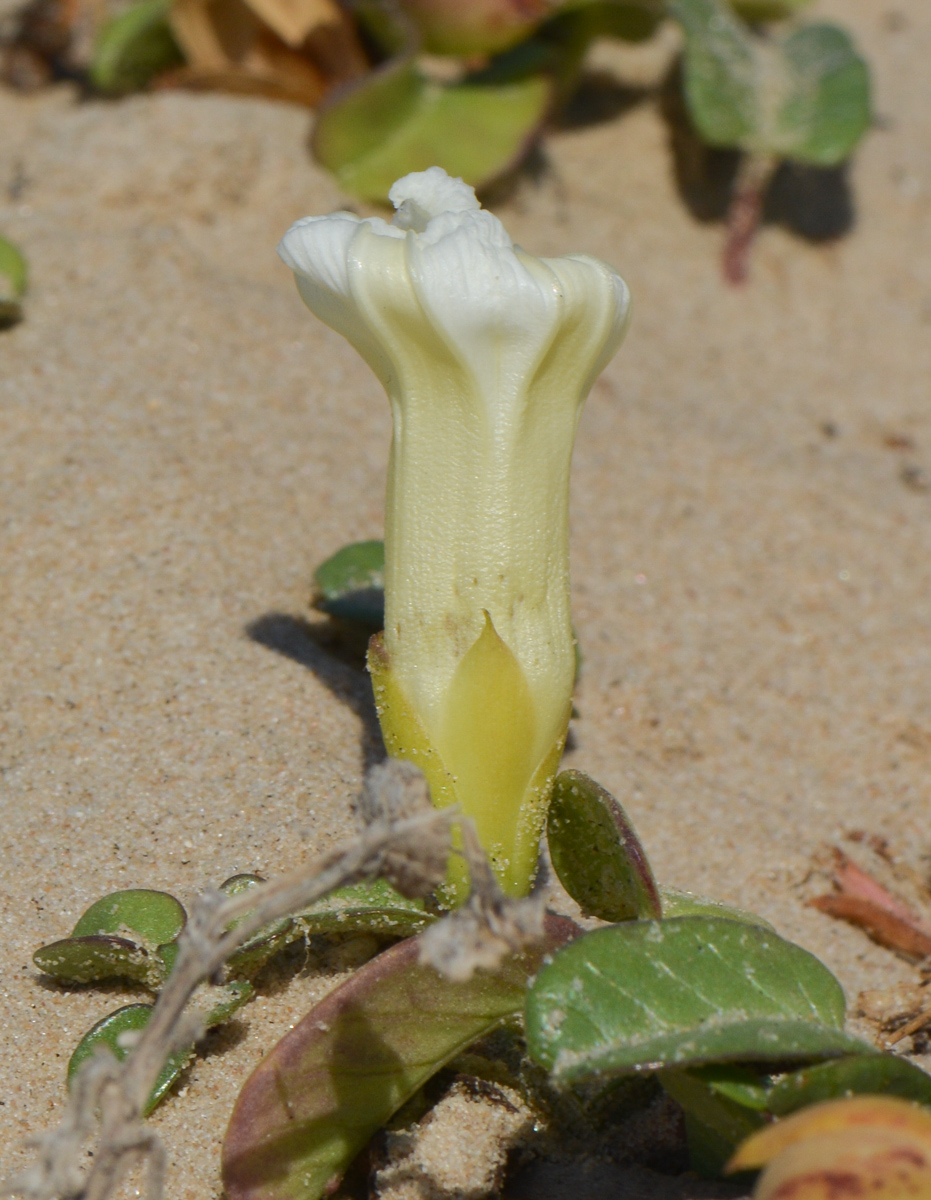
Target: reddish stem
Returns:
[[744, 213]]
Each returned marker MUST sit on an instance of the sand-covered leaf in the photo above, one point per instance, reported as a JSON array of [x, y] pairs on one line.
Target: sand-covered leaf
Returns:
[[253, 954], [804, 94], [360, 1054], [133, 47], [398, 120], [681, 992], [350, 585], [373, 907], [98, 957], [873, 1074], [596, 852], [866, 1146], [121, 935]]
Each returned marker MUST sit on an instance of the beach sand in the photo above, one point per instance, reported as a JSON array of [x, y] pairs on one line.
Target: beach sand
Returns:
[[182, 443]]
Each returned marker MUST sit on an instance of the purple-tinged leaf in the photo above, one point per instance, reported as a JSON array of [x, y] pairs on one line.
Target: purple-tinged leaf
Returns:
[[313, 1103]]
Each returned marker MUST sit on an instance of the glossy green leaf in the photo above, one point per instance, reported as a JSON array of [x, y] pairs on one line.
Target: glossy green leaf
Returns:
[[686, 904], [351, 584], [218, 1004], [715, 1123], [129, 1020], [650, 994], [596, 852], [367, 908], [134, 47], [354, 1060], [98, 957], [803, 95], [149, 917], [396, 120], [878, 1074]]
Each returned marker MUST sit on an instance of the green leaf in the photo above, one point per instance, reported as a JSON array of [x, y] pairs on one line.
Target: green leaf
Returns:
[[596, 852], [129, 1020], [682, 992], [634, 22], [686, 904], [101, 956], [396, 120], [827, 108], [715, 1123], [149, 917], [13, 268], [222, 1002], [255, 953], [721, 72], [13, 281], [134, 47], [879, 1074], [354, 1060], [734, 1081], [351, 584], [121, 935], [367, 908], [768, 10], [804, 95]]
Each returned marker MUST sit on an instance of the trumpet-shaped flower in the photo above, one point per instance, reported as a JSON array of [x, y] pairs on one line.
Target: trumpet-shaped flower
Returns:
[[486, 354]]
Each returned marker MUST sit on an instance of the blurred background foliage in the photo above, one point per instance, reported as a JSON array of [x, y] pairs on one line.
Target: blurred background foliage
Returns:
[[471, 85]]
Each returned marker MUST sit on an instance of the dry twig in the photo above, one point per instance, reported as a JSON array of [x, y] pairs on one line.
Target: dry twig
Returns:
[[108, 1097]]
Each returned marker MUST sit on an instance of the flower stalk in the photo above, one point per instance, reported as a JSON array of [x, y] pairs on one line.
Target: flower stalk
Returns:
[[486, 354]]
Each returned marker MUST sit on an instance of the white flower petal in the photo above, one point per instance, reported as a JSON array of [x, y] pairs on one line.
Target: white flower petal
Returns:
[[496, 317], [425, 194]]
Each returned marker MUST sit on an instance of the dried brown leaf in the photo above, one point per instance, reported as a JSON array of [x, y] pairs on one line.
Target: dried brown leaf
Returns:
[[883, 926]]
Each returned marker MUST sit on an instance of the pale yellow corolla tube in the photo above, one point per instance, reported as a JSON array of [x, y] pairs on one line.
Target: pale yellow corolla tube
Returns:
[[486, 354]]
